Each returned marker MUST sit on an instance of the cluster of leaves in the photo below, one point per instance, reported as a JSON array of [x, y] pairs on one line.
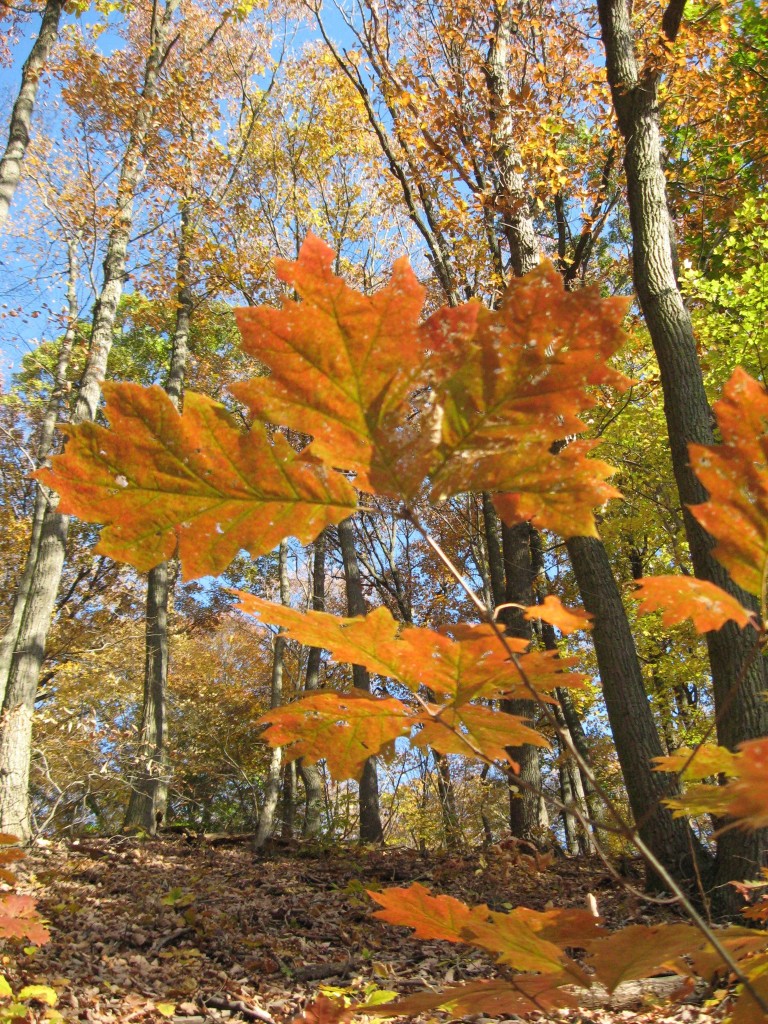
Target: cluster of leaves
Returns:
[[469, 399]]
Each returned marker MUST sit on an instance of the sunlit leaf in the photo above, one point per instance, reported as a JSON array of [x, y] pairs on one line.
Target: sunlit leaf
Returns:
[[20, 919], [476, 731], [344, 729], [684, 597], [553, 611], [157, 480], [736, 475]]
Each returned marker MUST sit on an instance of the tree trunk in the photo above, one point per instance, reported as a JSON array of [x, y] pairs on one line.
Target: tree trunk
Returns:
[[370, 815], [310, 773], [149, 787], [629, 713], [21, 116], [274, 772], [30, 644], [42, 493], [147, 805], [447, 796], [525, 821], [689, 420]]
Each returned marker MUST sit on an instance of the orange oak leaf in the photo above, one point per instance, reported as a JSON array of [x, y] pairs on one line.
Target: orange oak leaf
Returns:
[[523, 376], [158, 480], [706, 760], [19, 919], [473, 665], [522, 994], [744, 797], [343, 729], [521, 938], [639, 951], [341, 362], [684, 597], [736, 475], [553, 611], [475, 731]]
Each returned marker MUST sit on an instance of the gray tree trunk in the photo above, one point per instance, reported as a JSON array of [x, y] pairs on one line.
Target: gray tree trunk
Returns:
[[274, 772], [689, 420], [148, 802], [310, 773], [629, 713], [21, 116], [29, 650], [370, 815]]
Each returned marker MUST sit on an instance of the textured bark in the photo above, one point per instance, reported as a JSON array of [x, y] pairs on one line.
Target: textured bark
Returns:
[[30, 644], [512, 195], [274, 771], [689, 420], [629, 713], [149, 787], [43, 497], [310, 773], [447, 796], [148, 801], [21, 116], [370, 814], [525, 807]]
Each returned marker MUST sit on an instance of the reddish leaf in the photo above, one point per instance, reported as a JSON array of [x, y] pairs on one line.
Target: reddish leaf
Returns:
[[683, 597], [640, 951], [20, 919], [522, 994], [475, 731], [157, 479], [476, 664], [522, 378], [744, 798], [553, 611], [736, 475], [517, 937], [323, 1010], [341, 362], [344, 729]]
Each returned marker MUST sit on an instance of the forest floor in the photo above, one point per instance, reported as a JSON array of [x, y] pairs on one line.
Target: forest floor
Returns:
[[168, 929]]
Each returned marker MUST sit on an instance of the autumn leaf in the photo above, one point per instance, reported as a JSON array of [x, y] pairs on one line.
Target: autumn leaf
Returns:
[[523, 994], [475, 731], [344, 729], [639, 951], [474, 664], [20, 919], [553, 611], [700, 763], [157, 480], [684, 597], [735, 473], [513, 936], [744, 798], [341, 362], [522, 378]]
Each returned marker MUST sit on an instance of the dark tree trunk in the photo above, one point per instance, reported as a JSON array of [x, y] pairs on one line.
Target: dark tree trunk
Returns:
[[689, 420], [632, 724], [370, 815]]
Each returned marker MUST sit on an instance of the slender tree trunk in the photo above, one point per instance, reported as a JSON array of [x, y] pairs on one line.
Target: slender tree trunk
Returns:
[[370, 815], [689, 420], [632, 724], [310, 773], [447, 795], [148, 802], [525, 820], [29, 650], [288, 797], [42, 493], [149, 788], [21, 116], [274, 771]]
